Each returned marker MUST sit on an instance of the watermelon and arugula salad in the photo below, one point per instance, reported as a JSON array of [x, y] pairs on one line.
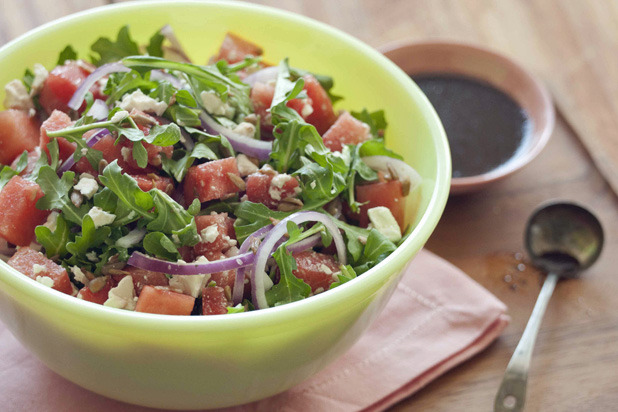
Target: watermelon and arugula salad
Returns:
[[139, 180]]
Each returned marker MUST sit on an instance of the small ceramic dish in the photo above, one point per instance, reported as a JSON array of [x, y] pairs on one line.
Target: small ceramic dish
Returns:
[[499, 71]]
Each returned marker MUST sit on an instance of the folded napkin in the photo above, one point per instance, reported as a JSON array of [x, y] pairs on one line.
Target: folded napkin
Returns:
[[437, 318]]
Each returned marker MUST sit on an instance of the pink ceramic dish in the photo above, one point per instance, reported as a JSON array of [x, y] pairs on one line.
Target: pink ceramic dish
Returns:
[[500, 72]]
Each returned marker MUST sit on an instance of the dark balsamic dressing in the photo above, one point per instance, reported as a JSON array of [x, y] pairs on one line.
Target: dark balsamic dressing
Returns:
[[485, 127]]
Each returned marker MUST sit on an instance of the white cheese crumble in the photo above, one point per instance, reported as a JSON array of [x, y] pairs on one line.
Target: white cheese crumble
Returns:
[[52, 221], [45, 281], [384, 222], [36, 268], [131, 239], [17, 97], [325, 269], [126, 153], [245, 129], [209, 234], [245, 166], [119, 116], [306, 110], [276, 185], [100, 217], [122, 296], [189, 285], [80, 276], [40, 75], [92, 256], [139, 101], [313, 184], [87, 185], [214, 105]]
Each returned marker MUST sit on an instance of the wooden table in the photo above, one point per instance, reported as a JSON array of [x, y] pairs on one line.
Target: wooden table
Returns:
[[573, 46]]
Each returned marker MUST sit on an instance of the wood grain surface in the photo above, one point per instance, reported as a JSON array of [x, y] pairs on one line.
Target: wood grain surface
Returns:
[[573, 46]]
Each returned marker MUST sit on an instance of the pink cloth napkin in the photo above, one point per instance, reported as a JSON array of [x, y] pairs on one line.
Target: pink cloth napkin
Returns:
[[437, 318]]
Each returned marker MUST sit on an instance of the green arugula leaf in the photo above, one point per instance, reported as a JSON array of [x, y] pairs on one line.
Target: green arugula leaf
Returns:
[[290, 288], [326, 82], [57, 194], [352, 234], [375, 147], [181, 160], [7, 172], [376, 121], [110, 51], [127, 190], [155, 46], [68, 53], [159, 245], [253, 216], [377, 248], [236, 309], [140, 154], [54, 242], [347, 274], [91, 237], [358, 168], [173, 219], [119, 84]]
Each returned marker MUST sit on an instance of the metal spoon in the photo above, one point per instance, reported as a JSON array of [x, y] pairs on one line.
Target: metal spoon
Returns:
[[562, 239]]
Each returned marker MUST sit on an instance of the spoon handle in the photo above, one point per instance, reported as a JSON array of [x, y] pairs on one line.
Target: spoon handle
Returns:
[[512, 393]]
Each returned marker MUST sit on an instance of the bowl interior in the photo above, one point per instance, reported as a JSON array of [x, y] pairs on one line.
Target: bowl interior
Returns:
[[497, 70]]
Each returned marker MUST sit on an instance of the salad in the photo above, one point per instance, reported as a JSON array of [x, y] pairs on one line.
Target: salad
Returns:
[[142, 181]]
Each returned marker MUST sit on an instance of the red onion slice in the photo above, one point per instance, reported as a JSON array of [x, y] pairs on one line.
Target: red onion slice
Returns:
[[258, 292], [78, 97], [387, 164], [252, 147], [142, 261], [262, 76], [90, 142], [239, 283]]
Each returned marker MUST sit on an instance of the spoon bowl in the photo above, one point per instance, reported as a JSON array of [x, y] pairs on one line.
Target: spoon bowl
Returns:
[[563, 237]]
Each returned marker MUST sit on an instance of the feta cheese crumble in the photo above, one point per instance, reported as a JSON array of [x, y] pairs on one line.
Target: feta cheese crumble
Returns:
[[87, 185], [139, 101], [45, 281], [384, 222], [17, 97], [100, 217], [36, 269], [214, 105], [189, 285], [40, 75], [245, 166], [209, 234], [122, 296], [119, 116]]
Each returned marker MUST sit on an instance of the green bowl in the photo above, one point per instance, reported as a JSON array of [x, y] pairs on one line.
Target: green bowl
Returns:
[[217, 361]]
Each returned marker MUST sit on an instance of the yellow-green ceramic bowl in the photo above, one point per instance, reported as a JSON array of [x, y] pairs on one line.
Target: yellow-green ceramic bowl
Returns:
[[216, 361]]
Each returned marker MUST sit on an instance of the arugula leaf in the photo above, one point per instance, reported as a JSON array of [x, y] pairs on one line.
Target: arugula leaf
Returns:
[[173, 219], [352, 235], [290, 288], [159, 245], [8, 172], [155, 46], [140, 154], [236, 309], [27, 79], [377, 248], [326, 82], [360, 168], [182, 160], [110, 51], [119, 84], [347, 274], [54, 242], [91, 237], [253, 216], [68, 53], [184, 115], [57, 194], [375, 120], [127, 190], [375, 147]]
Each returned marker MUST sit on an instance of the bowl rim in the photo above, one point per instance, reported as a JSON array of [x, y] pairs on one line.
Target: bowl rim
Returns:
[[518, 161], [284, 313]]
